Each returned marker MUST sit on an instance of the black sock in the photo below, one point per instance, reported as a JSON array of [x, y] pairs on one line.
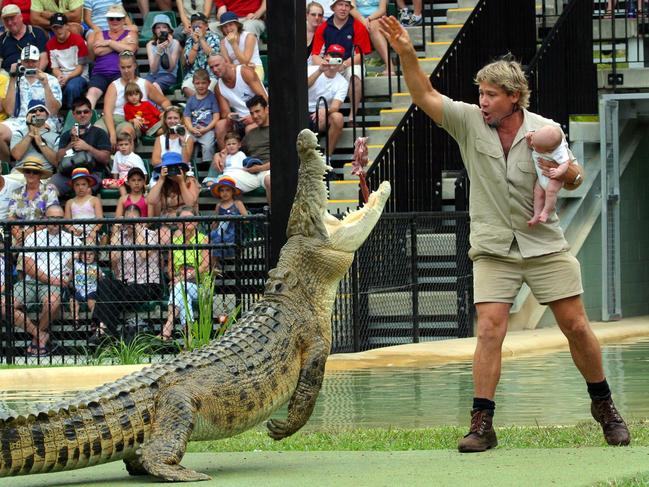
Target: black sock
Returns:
[[480, 403], [598, 390]]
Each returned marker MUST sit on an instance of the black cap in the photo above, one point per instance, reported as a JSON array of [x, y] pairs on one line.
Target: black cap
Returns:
[[58, 19], [198, 16], [135, 170]]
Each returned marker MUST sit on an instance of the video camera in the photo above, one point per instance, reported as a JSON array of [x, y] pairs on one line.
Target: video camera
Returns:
[[178, 129], [27, 71], [162, 36], [37, 121]]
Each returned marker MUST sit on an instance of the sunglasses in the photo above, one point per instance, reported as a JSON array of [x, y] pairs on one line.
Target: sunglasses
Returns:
[[38, 110], [82, 112], [31, 171], [316, 15], [126, 53], [114, 19]]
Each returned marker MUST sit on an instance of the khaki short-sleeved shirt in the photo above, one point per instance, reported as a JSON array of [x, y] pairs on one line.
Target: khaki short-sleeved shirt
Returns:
[[502, 190], [62, 6]]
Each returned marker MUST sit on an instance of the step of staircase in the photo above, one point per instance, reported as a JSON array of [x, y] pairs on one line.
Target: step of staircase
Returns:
[[437, 48], [458, 15]]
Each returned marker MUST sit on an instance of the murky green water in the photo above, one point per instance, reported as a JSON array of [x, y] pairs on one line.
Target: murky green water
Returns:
[[545, 389]]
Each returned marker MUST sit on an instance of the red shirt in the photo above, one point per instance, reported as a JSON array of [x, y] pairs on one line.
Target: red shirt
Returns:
[[327, 33], [145, 110], [239, 7]]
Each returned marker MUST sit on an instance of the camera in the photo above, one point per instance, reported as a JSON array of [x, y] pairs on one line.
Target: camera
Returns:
[[162, 36], [178, 129], [174, 170], [27, 71], [37, 121], [335, 60]]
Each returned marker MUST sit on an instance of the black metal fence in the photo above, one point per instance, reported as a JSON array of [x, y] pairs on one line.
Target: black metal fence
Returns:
[[412, 281], [417, 153], [64, 295]]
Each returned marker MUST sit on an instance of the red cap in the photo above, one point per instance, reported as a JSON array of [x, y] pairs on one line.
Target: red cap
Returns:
[[336, 50]]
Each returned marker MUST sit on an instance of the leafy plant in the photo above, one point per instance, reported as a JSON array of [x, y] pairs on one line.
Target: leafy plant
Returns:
[[201, 331], [136, 350]]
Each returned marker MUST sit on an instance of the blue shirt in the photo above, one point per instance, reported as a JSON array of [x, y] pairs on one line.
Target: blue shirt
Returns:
[[201, 111], [10, 47]]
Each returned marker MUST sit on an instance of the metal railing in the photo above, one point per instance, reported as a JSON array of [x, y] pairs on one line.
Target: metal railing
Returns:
[[417, 152]]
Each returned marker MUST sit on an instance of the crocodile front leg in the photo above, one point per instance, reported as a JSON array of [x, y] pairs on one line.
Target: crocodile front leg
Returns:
[[304, 397], [170, 432]]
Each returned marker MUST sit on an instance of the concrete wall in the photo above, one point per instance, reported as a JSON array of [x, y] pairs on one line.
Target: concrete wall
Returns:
[[634, 213]]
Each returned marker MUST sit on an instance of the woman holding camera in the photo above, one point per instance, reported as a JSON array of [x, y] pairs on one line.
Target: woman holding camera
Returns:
[[114, 121], [174, 138], [174, 188], [163, 53]]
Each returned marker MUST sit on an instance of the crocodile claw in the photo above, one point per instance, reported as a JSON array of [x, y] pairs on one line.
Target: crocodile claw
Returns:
[[278, 429]]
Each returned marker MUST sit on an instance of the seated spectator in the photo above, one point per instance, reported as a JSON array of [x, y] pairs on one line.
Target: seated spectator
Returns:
[[136, 274], [187, 8], [256, 144], [106, 46], [114, 120], [325, 81], [84, 206], [17, 36], [201, 115], [225, 189], [94, 16], [234, 160], [136, 194], [163, 5], [201, 44], [43, 10], [84, 145], [25, 7], [68, 58], [29, 201], [239, 46], [341, 28], [163, 54], [86, 273], [36, 140], [4, 146], [236, 85], [7, 187], [250, 12], [408, 19], [32, 85], [314, 17], [142, 114], [326, 8], [174, 189], [47, 275], [174, 138], [366, 12], [186, 270], [123, 161]]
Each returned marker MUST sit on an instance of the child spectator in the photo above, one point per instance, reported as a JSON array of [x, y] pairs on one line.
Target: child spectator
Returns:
[[136, 186], [144, 116], [68, 54], [124, 160], [84, 205], [225, 189], [187, 267], [86, 275], [201, 114], [233, 159]]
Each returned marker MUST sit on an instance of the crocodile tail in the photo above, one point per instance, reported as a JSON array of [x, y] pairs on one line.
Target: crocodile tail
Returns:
[[76, 436]]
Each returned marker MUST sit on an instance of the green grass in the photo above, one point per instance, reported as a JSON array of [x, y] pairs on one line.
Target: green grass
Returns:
[[440, 438], [641, 480]]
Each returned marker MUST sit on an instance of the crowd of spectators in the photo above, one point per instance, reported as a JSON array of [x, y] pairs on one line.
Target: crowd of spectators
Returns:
[[75, 109]]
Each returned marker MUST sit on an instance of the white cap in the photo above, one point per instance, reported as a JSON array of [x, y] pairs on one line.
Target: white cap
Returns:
[[30, 52]]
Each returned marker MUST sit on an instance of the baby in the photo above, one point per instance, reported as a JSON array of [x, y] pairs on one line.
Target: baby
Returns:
[[547, 143]]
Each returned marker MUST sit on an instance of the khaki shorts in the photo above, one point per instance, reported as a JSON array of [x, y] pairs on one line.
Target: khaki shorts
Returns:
[[498, 279]]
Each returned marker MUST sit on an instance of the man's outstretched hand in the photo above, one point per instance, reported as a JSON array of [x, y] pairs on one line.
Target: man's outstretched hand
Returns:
[[395, 33]]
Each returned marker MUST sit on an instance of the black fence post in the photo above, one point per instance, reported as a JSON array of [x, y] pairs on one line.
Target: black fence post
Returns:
[[414, 276], [8, 342], [356, 318]]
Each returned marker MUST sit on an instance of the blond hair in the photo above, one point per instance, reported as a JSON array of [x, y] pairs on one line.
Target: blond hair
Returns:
[[508, 74]]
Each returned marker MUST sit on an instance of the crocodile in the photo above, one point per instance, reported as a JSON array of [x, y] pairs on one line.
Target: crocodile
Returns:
[[276, 352]]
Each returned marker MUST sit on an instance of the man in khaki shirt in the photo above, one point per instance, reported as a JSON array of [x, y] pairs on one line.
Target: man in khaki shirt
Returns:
[[506, 251]]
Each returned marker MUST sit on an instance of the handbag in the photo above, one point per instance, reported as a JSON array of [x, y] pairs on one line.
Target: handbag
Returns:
[[75, 159]]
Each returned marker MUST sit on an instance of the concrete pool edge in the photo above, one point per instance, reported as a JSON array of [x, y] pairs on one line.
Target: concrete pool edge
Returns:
[[516, 344]]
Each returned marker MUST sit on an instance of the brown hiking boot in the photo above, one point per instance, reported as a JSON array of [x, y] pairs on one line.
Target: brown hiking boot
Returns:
[[481, 436], [613, 426]]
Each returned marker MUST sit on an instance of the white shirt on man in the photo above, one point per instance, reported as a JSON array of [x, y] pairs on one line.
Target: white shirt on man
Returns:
[[330, 88]]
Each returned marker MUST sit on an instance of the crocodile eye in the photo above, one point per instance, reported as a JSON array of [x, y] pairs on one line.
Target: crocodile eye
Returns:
[[278, 287]]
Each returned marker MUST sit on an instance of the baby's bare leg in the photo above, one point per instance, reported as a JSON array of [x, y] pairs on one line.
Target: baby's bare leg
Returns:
[[550, 199], [539, 199]]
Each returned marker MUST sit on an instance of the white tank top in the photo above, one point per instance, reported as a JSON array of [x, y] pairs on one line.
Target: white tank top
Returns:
[[255, 58], [239, 95], [174, 144], [119, 97]]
